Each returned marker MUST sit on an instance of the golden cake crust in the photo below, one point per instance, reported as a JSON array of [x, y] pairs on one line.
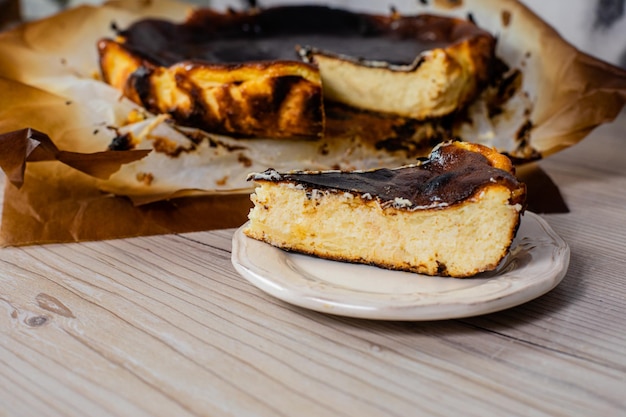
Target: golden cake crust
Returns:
[[266, 99]]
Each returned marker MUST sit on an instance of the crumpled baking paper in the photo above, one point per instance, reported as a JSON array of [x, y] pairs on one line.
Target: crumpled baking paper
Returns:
[[50, 85]]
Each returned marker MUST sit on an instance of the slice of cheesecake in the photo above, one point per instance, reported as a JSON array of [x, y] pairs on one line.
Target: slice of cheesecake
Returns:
[[453, 214]]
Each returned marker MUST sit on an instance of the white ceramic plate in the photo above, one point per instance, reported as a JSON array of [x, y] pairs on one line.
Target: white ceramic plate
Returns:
[[536, 264]]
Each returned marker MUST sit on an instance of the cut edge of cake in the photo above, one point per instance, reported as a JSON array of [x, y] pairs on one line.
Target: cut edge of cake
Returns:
[[457, 240]]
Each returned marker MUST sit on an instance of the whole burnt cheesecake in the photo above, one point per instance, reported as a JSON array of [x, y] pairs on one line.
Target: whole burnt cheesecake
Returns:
[[453, 214], [270, 72]]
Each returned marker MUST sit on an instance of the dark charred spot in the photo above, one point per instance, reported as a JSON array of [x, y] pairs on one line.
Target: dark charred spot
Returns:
[[282, 88], [244, 160], [510, 85], [498, 69], [199, 115], [313, 109], [121, 143], [405, 130], [259, 105], [439, 181], [323, 149], [215, 143], [391, 144], [196, 136], [139, 81], [525, 152], [338, 111], [523, 133], [411, 148], [506, 87], [170, 148], [416, 138]]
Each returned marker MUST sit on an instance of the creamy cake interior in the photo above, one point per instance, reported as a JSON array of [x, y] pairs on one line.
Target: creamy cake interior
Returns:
[[454, 214]]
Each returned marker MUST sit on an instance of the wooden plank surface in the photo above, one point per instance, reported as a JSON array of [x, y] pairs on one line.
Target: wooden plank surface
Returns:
[[163, 326]]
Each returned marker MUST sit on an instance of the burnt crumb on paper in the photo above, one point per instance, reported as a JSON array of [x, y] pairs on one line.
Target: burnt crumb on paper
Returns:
[[145, 178], [523, 134], [506, 18], [509, 85], [415, 138], [323, 149], [244, 160], [222, 181], [197, 136], [170, 148], [121, 142]]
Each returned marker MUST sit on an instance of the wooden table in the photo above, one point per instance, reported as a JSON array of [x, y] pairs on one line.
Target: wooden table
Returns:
[[164, 326]]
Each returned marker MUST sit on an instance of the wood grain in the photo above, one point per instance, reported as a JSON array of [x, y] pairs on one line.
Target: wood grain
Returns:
[[164, 326]]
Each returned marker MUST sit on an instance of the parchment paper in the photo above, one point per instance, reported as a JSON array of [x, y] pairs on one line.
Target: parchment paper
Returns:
[[48, 79], [51, 201]]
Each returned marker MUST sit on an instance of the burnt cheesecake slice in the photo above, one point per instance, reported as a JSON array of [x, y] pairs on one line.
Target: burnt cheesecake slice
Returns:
[[270, 72], [453, 214]]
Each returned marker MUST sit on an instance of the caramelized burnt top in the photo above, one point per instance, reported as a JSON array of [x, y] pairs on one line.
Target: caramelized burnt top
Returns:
[[275, 33], [449, 176]]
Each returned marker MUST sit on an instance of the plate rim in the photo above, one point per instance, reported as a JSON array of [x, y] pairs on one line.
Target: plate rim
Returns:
[[311, 299]]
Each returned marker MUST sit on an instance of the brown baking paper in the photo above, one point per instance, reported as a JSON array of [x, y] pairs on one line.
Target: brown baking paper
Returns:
[[56, 199], [28, 145], [49, 84]]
